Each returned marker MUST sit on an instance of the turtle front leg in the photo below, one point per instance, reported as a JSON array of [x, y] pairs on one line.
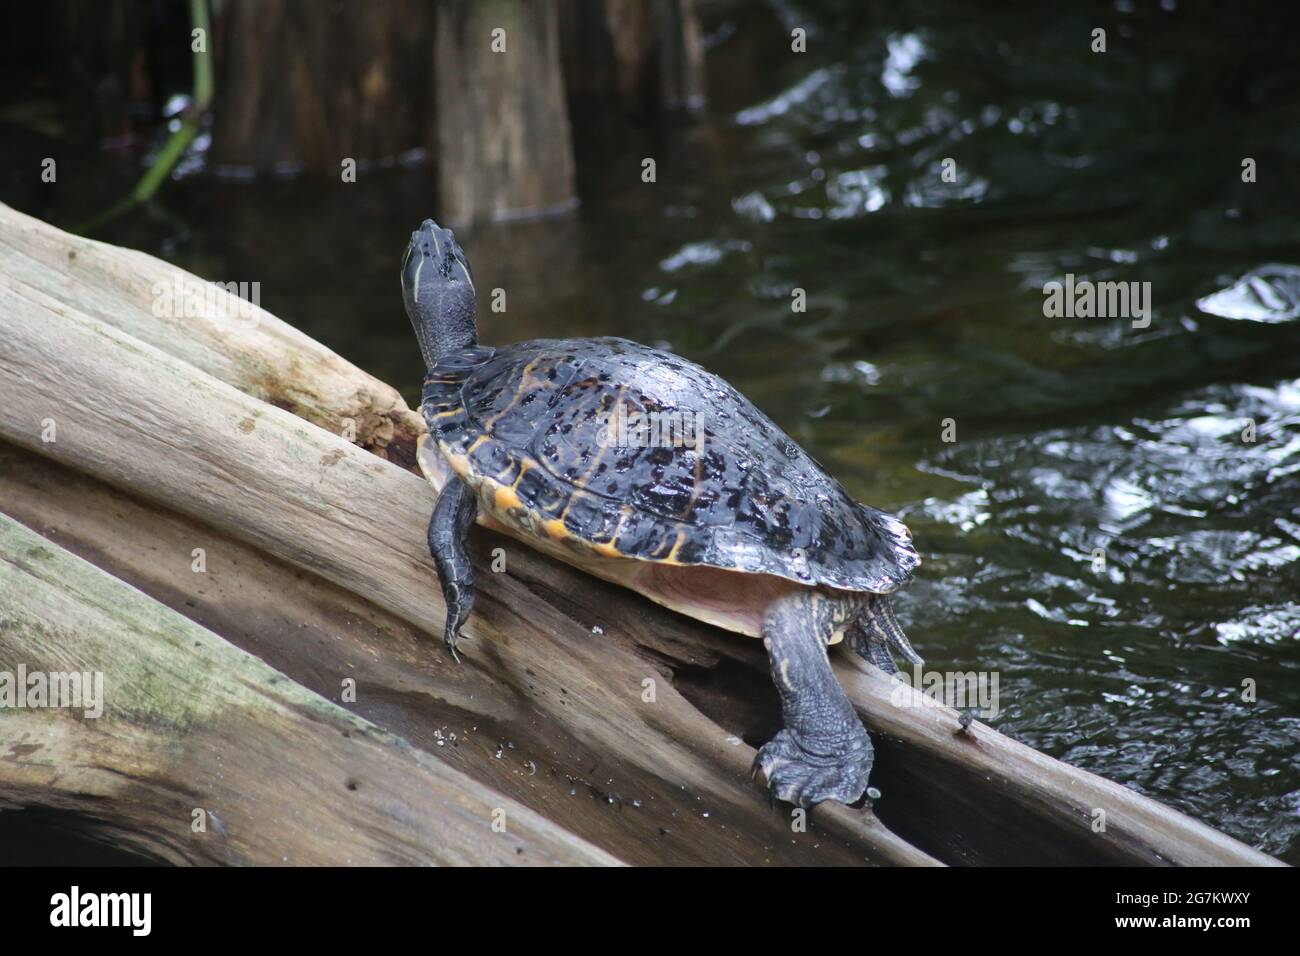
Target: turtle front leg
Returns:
[[452, 516], [823, 752], [876, 635]]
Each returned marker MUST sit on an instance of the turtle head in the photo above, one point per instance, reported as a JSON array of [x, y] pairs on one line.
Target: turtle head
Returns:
[[438, 292]]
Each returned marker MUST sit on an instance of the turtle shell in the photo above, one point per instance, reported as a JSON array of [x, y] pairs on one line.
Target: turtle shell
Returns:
[[617, 448]]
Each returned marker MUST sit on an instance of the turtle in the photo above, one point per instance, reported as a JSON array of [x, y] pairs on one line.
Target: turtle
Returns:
[[581, 448]]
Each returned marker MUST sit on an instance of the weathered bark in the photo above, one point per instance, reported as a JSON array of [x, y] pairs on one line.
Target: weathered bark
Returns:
[[190, 723], [143, 421], [503, 126]]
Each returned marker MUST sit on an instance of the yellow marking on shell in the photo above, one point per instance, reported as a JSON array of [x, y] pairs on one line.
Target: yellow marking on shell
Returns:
[[601, 448], [523, 469], [581, 480], [610, 548], [459, 462], [505, 498], [474, 444], [569, 504], [555, 529], [514, 400], [672, 554], [455, 411]]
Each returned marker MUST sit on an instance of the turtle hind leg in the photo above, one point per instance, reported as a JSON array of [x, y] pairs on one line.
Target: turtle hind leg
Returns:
[[876, 635], [452, 516], [822, 752]]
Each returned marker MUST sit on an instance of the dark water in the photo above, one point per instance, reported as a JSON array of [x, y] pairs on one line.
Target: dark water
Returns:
[[1099, 534]]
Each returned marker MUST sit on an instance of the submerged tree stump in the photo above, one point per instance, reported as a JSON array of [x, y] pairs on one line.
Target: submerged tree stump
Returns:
[[503, 124], [306, 84], [639, 57]]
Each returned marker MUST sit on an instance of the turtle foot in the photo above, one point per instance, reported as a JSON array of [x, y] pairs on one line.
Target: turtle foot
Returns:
[[801, 775]]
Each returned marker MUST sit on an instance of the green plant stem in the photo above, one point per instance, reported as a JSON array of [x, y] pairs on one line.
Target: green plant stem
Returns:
[[180, 140]]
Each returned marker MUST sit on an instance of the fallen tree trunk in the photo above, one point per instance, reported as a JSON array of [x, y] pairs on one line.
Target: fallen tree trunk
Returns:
[[142, 421], [203, 754]]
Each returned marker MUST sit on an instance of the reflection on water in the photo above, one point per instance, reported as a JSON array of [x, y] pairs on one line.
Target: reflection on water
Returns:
[[1116, 528]]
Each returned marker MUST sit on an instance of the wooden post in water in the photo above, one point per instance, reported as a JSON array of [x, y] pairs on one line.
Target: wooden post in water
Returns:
[[315, 84], [634, 56], [503, 126]]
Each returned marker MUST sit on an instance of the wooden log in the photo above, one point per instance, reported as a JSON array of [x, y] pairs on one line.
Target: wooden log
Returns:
[[503, 125], [1003, 804], [196, 321], [998, 796], [193, 733]]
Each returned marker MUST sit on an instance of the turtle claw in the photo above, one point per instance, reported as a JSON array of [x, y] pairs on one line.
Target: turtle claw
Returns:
[[877, 637], [875, 649], [806, 777], [754, 768], [452, 639]]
